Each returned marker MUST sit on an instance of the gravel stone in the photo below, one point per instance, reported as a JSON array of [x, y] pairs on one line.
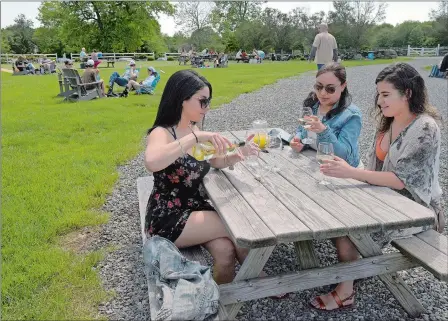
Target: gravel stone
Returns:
[[122, 271]]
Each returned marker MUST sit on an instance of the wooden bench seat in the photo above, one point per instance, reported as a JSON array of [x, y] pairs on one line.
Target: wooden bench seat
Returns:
[[428, 248], [194, 253]]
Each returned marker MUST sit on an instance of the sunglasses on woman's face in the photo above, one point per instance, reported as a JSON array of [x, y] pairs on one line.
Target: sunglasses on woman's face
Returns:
[[205, 102], [328, 88]]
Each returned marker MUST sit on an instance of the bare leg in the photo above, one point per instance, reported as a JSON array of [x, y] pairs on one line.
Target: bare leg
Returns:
[[102, 87], [206, 227], [223, 252], [347, 252]]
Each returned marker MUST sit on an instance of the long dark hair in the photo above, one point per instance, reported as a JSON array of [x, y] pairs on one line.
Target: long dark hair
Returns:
[[409, 83], [344, 101], [182, 85]]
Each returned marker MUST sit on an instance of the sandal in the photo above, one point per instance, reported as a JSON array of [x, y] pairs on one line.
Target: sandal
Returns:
[[338, 301]]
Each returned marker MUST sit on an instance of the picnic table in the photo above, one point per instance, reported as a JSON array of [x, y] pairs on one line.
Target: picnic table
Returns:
[[288, 206]]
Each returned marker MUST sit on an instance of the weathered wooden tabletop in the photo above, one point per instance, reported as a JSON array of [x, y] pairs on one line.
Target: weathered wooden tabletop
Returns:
[[289, 206]]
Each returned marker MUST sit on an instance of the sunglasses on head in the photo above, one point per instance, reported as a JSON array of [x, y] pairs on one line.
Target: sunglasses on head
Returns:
[[328, 88], [205, 102]]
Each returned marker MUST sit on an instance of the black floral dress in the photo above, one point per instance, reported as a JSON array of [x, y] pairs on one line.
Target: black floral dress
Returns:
[[178, 190]]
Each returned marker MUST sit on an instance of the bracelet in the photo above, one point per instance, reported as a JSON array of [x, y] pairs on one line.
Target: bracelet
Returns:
[[181, 148]]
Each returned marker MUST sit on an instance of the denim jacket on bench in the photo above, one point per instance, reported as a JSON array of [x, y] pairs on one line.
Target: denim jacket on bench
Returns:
[[189, 291], [342, 131]]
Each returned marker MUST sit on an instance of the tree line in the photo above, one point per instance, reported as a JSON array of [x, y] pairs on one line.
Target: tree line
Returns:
[[122, 26]]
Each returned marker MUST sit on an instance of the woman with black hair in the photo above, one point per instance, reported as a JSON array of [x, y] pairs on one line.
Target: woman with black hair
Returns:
[[335, 119], [178, 209]]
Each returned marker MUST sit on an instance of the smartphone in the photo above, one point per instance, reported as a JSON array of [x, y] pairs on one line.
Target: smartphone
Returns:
[[284, 135]]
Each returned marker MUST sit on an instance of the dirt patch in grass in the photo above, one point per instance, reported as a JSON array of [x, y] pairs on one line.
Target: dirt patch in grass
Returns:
[[80, 241]]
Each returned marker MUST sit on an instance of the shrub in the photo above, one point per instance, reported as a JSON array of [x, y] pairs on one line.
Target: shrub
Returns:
[[170, 59], [150, 58]]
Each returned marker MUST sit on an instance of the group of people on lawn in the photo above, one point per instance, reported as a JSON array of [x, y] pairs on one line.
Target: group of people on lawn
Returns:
[[46, 65], [404, 156], [128, 79]]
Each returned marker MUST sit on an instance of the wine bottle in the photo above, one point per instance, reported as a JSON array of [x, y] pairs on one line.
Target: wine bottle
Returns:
[[206, 151]]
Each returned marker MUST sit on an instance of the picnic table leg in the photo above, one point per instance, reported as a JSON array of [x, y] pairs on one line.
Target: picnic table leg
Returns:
[[399, 289], [306, 256], [251, 268]]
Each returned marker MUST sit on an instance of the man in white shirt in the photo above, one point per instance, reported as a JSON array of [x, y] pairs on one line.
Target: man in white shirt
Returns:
[[325, 48]]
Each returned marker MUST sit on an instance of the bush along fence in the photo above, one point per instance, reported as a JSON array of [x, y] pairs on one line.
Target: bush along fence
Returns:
[[120, 56], [7, 58]]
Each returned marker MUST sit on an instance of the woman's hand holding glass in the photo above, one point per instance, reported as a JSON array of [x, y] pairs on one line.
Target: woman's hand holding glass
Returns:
[[337, 167], [315, 124]]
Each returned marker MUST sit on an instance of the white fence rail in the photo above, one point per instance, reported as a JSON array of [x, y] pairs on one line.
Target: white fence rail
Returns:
[[35, 57], [432, 52], [118, 55]]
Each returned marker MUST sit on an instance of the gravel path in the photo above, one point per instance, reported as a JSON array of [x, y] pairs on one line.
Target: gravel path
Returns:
[[122, 269]]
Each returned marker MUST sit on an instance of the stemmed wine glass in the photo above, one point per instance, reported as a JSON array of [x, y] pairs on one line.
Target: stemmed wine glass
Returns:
[[325, 151], [306, 112], [253, 161], [274, 145]]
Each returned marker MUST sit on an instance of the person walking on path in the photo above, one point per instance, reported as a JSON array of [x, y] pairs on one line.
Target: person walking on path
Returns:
[[325, 48]]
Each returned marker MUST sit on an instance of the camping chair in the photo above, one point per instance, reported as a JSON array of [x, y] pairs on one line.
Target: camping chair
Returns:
[[149, 89], [64, 85], [80, 91]]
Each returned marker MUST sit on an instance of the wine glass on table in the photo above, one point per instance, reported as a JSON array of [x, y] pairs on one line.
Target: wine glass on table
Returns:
[[325, 152], [306, 112], [274, 146]]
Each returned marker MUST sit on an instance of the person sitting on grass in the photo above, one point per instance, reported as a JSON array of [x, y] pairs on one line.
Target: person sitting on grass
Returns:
[[47, 65], [146, 86], [22, 64], [91, 75], [440, 70], [130, 74]]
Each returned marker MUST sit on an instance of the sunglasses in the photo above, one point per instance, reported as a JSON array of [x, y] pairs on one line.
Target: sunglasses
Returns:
[[328, 88], [205, 102]]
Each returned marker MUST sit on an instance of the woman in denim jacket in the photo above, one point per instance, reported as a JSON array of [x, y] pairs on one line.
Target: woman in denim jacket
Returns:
[[336, 120]]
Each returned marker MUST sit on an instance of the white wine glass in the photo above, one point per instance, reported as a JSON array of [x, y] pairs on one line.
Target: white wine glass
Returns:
[[325, 152], [306, 112], [274, 146]]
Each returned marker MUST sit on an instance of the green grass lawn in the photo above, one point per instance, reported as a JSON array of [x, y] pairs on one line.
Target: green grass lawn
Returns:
[[59, 163]]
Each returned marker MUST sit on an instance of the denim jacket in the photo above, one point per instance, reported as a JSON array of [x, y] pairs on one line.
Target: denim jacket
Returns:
[[342, 130], [189, 291]]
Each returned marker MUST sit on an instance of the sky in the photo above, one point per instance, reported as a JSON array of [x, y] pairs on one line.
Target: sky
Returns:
[[396, 12]]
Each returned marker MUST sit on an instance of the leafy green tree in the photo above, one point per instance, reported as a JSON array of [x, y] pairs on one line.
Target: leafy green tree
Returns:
[[440, 16], [20, 35], [46, 41], [5, 44], [229, 15], [351, 21], [193, 15], [105, 25], [206, 38]]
